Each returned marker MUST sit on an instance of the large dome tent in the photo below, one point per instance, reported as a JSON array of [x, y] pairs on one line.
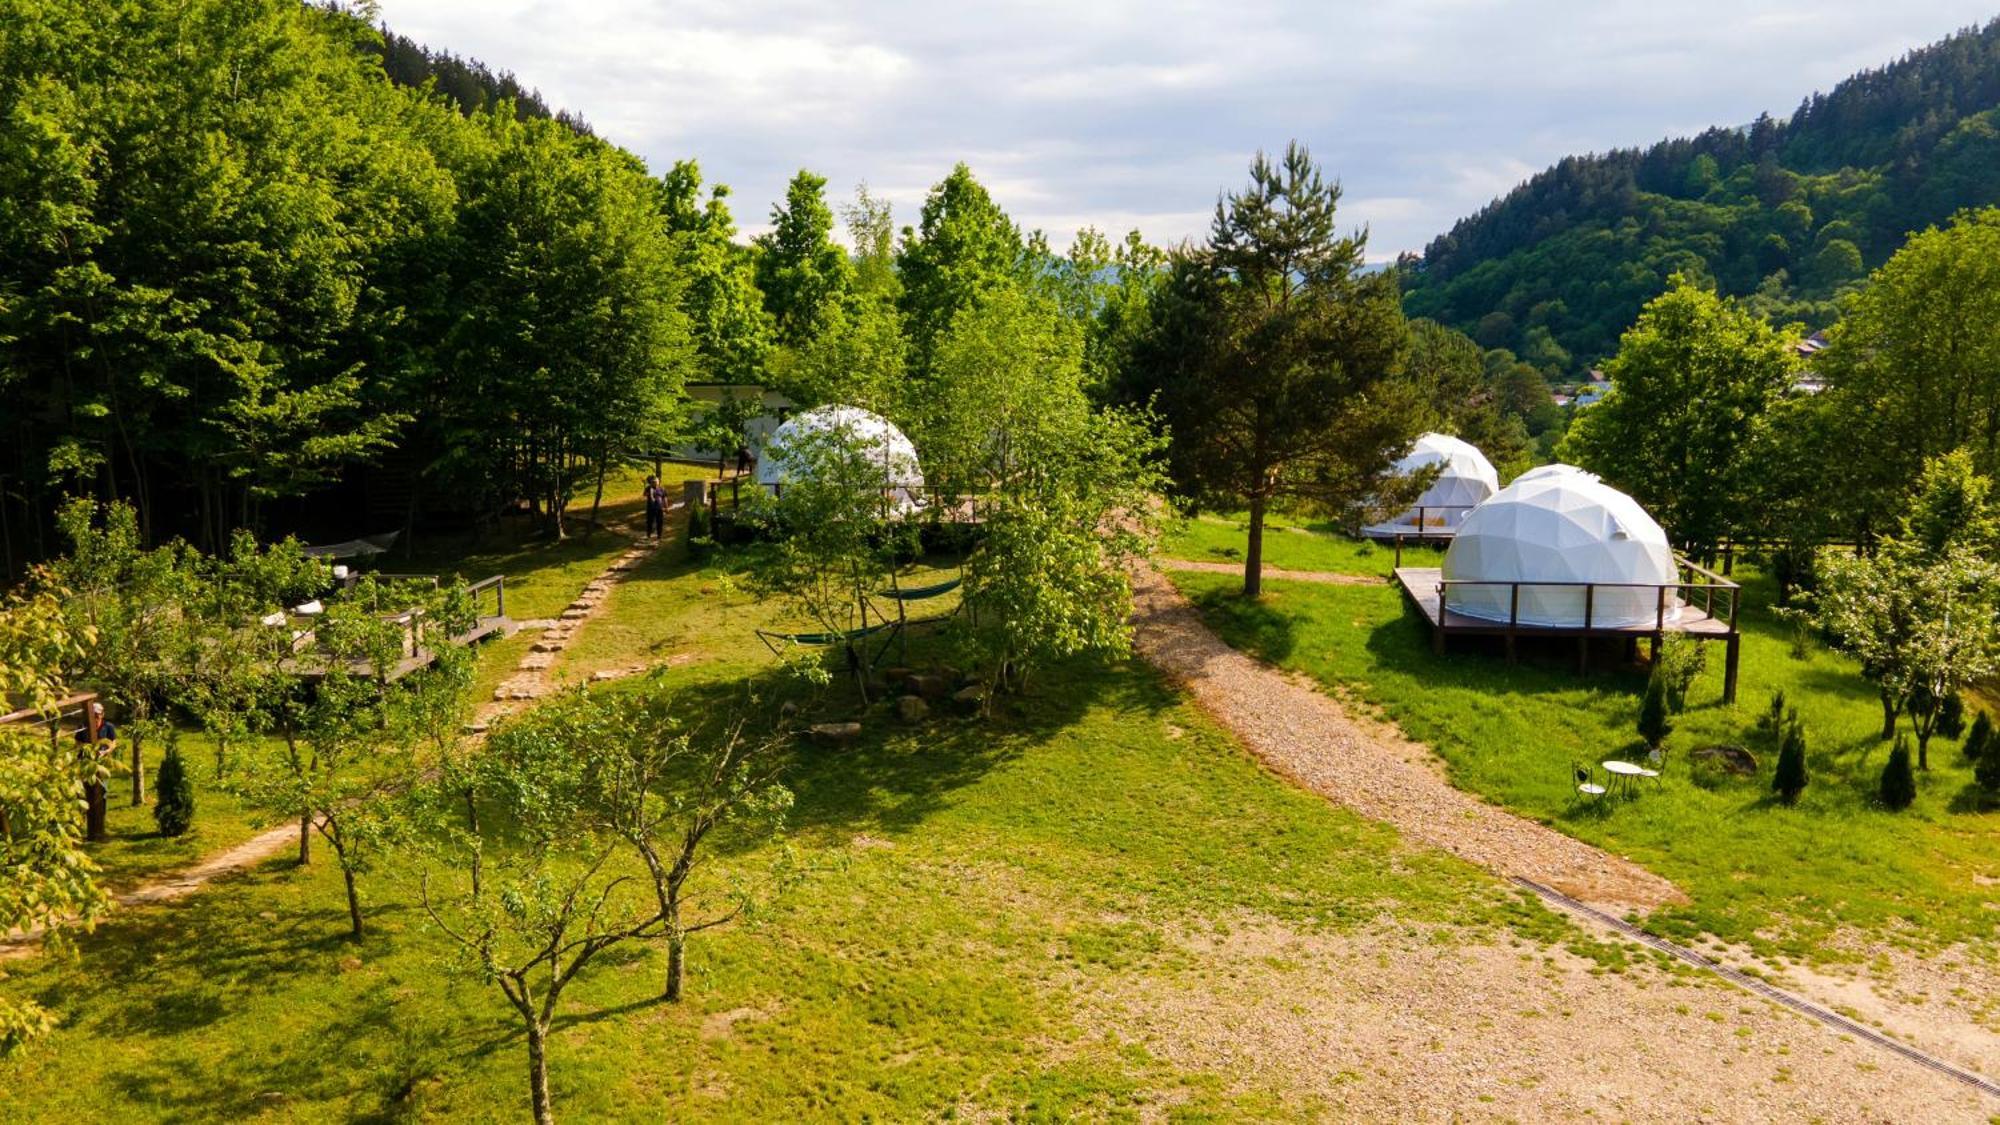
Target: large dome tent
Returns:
[[1465, 480], [884, 444], [1555, 532]]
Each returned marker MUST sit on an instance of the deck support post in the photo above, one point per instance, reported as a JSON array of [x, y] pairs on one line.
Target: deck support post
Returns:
[[1729, 666]]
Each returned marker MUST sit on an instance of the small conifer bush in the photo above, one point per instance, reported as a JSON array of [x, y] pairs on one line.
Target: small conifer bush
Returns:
[[1979, 740], [173, 795], [1791, 778], [1899, 781], [1654, 725]]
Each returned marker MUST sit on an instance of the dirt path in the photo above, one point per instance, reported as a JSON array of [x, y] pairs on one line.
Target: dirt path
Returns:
[[533, 678], [1329, 578], [1301, 733]]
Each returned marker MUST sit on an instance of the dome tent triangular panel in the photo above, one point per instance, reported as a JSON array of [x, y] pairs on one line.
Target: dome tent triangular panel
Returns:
[[1465, 479], [1561, 527], [886, 446]]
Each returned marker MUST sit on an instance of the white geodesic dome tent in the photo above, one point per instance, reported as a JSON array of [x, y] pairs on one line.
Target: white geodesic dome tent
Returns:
[[1554, 470], [1465, 479], [1562, 527], [886, 446]]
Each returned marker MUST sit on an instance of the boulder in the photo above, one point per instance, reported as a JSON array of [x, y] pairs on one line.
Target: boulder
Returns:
[[970, 698], [894, 677], [1729, 759], [929, 686], [912, 709], [835, 732]]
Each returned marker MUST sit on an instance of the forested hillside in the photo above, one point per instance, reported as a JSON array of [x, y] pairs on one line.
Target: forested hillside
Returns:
[[1785, 212]]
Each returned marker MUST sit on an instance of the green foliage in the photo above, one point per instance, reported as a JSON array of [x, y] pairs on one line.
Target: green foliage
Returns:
[[1913, 371], [1790, 779], [1951, 715], [1682, 661], [1654, 723], [1275, 361], [1898, 789], [1691, 385], [49, 874], [1978, 740], [963, 246], [1986, 771], [803, 275], [173, 795]]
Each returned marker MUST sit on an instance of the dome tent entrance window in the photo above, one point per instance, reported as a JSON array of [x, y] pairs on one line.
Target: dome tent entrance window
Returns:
[[1558, 553], [1465, 479]]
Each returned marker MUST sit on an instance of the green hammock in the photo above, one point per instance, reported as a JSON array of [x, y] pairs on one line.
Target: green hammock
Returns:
[[819, 640], [922, 593]]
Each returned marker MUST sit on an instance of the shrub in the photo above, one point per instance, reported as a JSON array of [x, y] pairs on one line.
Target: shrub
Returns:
[[1951, 716], [173, 795], [1771, 724], [1791, 778], [1899, 781], [1987, 773], [1654, 725], [1979, 740], [1682, 661]]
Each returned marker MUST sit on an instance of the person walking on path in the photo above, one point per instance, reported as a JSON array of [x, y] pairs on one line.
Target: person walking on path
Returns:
[[656, 507]]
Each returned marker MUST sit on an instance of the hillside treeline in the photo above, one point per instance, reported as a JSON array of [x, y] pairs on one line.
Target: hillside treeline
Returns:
[[1787, 214]]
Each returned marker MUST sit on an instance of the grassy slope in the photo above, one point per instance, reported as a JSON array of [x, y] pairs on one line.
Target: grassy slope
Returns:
[[972, 876], [1757, 872]]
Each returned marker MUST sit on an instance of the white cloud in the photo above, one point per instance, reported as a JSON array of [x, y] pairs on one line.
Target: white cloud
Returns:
[[1120, 113]]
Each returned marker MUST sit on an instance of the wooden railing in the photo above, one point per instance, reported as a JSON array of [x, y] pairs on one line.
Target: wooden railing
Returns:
[[1700, 580]]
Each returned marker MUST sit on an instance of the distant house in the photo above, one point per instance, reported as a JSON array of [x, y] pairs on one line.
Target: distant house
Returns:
[[1591, 395], [1598, 376], [1810, 346]]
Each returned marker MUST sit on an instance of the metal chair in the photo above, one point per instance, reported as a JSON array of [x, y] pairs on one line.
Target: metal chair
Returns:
[[1586, 785]]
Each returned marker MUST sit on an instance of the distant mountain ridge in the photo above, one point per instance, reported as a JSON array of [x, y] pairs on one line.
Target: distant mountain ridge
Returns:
[[1784, 212]]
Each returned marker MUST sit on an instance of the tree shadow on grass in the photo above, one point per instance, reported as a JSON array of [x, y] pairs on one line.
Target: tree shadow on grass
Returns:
[[1262, 627]]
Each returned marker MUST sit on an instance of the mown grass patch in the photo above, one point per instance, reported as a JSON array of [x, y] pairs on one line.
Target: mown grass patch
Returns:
[[1776, 878]]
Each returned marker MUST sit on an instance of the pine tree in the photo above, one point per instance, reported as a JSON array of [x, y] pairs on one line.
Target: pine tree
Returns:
[[1654, 725], [1987, 773], [1951, 716], [1979, 740], [1791, 778], [173, 795], [1899, 781]]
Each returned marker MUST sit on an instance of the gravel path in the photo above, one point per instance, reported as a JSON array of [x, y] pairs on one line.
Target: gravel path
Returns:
[[1301, 733], [1406, 1023], [1327, 577]]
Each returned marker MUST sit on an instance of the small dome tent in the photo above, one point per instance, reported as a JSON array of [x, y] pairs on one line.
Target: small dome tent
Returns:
[[884, 443], [1562, 527], [1465, 479]]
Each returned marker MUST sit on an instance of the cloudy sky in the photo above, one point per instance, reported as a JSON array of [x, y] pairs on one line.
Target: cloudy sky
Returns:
[[1134, 114]]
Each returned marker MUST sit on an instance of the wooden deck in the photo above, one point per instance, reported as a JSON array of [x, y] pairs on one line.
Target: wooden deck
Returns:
[[1420, 585], [1708, 606], [306, 666]]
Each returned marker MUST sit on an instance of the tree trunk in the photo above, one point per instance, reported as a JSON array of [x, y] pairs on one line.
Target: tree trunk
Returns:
[[305, 839], [676, 965], [138, 773], [538, 1073], [353, 898], [95, 805], [597, 501], [1253, 557], [1889, 709]]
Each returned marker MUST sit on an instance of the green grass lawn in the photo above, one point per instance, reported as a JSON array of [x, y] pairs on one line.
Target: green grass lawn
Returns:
[[1289, 544], [971, 877], [136, 851], [1773, 877]]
